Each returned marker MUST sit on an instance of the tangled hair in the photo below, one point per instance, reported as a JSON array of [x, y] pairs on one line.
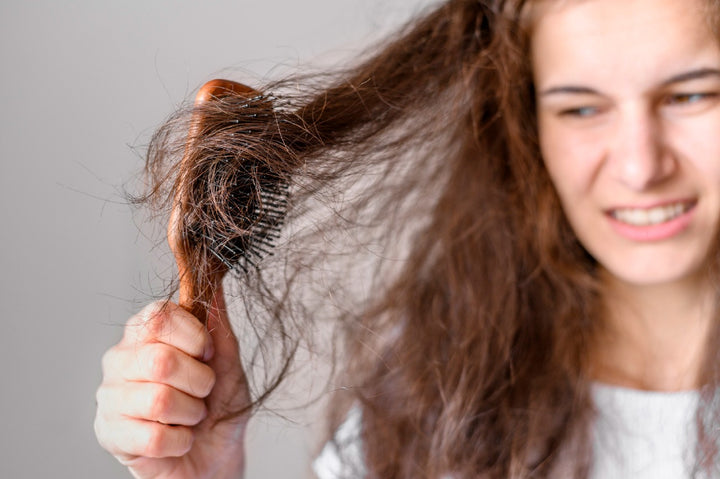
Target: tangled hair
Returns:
[[421, 223]]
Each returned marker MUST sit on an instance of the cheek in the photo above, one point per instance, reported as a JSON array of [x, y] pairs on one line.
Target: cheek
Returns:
[[701, 146], [572, 160]]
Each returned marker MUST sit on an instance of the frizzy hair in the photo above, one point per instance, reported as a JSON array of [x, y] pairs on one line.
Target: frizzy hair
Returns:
[[466, 348]]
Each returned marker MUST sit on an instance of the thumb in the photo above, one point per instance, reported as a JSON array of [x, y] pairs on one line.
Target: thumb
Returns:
[[230, 393]]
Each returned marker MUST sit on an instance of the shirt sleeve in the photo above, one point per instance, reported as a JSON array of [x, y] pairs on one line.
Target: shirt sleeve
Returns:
[[342, 456]]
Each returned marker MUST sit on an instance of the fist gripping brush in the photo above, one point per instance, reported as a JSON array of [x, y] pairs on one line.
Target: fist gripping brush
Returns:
[[230, 197]]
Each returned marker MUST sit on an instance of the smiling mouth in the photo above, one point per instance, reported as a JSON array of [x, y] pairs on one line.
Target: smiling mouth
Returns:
[[652, 216]]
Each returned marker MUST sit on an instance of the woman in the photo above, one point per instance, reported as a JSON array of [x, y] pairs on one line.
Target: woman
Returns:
[[556, 166]]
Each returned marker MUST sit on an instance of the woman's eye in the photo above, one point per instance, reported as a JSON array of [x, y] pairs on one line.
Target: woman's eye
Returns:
[[681, 99], [580, 112]]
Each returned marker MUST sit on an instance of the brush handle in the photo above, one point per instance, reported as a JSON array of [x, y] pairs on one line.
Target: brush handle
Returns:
[[188, 287]]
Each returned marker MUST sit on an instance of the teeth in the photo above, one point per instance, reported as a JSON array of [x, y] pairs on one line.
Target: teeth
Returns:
[[652, 216]]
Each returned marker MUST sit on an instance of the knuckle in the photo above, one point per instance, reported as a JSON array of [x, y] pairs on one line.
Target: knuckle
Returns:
[[108, 360], [161, 403], [155, 318], [162, 363], [165, 441], [151, 310], [99, 431], [106, 435], [155, 441], [100, 396], [107, 404], [150, 321]]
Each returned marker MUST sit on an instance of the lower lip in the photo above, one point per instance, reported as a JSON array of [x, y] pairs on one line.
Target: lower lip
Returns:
[[656, 232]]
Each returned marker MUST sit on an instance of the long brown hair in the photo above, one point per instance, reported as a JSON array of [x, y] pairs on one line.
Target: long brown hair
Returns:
[[422, 223]]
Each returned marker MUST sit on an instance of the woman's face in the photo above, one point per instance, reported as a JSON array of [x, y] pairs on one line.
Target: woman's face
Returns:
[[628, 95]]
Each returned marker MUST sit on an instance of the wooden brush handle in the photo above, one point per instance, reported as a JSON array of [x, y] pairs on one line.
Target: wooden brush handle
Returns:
[[210, 91]]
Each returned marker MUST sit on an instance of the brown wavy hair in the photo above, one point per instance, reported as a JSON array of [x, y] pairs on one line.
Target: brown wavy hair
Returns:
[[421, 223]]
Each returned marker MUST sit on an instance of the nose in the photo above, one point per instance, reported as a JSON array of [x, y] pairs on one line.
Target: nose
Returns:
[[640, 157]]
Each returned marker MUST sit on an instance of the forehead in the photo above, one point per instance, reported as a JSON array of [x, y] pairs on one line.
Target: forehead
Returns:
[[601, 39]]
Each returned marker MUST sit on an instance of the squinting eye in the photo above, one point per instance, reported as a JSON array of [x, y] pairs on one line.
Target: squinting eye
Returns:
[[688, 98], [581, 112]]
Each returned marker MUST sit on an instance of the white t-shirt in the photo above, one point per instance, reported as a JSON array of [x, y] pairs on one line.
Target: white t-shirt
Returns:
[[637, 435]]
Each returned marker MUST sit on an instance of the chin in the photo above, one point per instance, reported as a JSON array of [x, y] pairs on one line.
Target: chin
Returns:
[[656, 274]]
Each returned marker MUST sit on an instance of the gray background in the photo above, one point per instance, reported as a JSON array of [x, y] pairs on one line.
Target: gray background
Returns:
[[82, 83]]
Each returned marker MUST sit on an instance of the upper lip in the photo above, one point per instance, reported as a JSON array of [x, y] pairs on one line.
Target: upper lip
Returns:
[[690, 202]]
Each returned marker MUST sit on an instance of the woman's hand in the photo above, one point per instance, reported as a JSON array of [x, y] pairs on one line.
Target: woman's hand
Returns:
[[164, 386]]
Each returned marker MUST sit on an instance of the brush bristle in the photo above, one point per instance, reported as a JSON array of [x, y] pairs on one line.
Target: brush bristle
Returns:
[[236, 203]]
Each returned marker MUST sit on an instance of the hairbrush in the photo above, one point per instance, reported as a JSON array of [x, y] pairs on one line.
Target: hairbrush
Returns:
[[229, 202]]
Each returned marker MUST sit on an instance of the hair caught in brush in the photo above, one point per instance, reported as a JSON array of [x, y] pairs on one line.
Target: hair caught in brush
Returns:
[[229, 200], [402, 201]]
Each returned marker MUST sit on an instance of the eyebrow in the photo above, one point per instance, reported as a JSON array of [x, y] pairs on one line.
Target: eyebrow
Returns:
[[569, 89], [679, 78], [692, 75]]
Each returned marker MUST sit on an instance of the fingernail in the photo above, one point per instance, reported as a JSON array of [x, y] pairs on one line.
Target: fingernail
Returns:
[[209, 351]]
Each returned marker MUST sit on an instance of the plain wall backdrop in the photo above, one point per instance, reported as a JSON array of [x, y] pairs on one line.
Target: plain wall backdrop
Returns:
[[83, 82]]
